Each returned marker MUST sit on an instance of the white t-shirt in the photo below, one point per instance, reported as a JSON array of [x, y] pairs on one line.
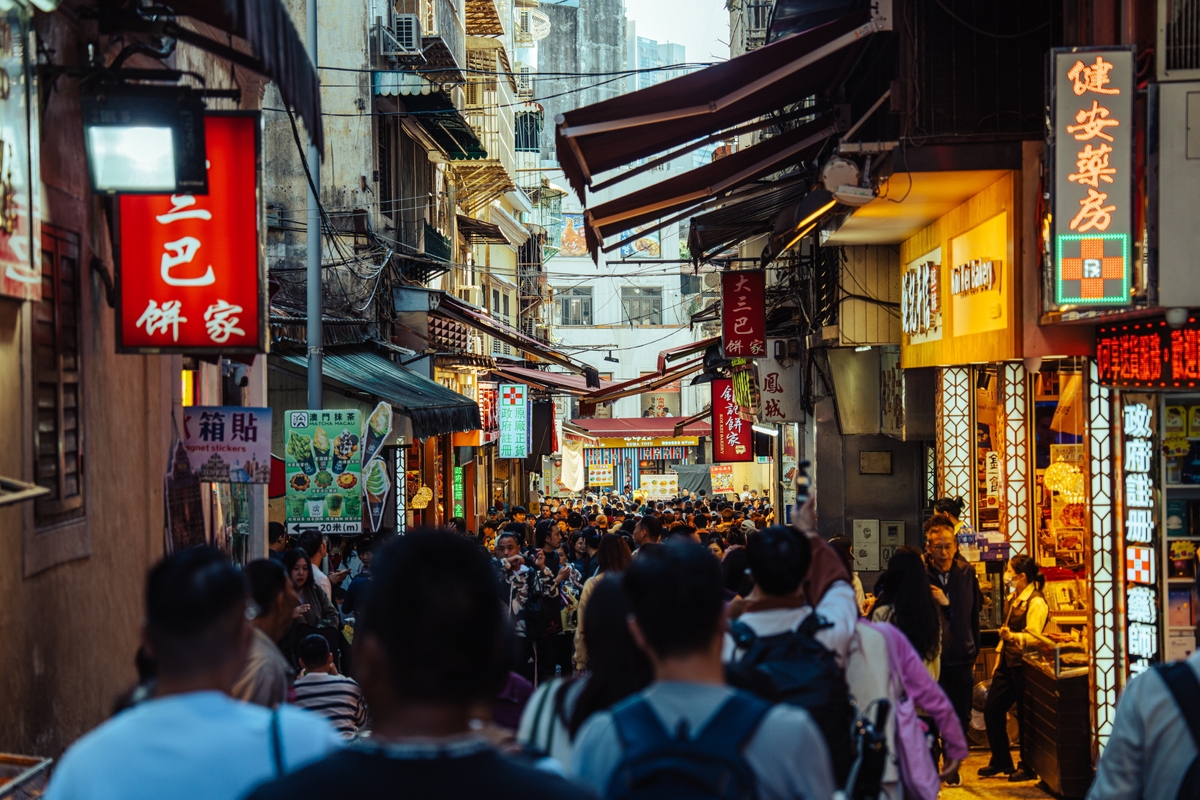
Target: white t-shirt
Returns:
[[196, 746], [322, 580]]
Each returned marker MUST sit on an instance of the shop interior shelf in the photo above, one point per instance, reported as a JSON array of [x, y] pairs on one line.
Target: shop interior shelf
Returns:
[[1184, 491], [1181, 580]]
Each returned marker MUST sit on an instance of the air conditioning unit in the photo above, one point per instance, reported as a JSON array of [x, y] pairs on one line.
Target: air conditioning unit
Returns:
[[1177, 57], [525, 75], [401, 36], [476, 345]]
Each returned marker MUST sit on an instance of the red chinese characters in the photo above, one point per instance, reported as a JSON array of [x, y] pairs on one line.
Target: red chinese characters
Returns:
[[743, 312], [733, 438], [189, 265]]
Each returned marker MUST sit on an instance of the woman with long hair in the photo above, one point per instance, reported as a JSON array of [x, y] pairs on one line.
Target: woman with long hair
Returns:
[[613, 558], [617, 668], [906, 601], [1025, 614], [316, 608]]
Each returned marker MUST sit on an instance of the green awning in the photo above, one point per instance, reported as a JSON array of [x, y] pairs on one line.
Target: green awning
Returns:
[[429, 104], [454, 135], [433, 409]]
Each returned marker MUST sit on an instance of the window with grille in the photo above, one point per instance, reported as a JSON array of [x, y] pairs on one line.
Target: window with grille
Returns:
[[58, 445], [641, 306], [575, 306], [507, 306]]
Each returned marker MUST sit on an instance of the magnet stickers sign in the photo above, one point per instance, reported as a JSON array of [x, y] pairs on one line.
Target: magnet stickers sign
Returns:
[[323, 465], [1093, 139], [189, 275], [733, 437], [228, 444], [744, 315]]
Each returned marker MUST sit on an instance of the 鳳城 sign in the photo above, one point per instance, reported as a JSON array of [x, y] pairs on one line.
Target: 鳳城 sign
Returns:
[[189, 268], [744, 314], [733, 438], [1092, 137], [781, 398], [1138, 458], [514, 411]]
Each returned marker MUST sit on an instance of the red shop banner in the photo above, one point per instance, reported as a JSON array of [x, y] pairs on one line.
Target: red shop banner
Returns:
[[744, 315], [733, 439], [189, 275]]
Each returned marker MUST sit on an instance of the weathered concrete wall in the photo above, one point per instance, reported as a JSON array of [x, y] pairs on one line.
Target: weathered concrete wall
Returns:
[[586, 40]]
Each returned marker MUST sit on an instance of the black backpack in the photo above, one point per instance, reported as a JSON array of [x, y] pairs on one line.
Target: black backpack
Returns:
[[1184, 687], [796, 669], [657, 765]]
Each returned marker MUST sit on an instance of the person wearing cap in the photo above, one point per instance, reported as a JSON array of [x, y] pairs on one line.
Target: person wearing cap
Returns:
[[748, 527]]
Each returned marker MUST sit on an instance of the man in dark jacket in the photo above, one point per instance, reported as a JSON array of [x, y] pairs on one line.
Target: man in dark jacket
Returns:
[[956, 589]]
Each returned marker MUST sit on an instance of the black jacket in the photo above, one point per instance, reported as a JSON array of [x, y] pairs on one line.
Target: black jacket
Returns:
[[960, 623]]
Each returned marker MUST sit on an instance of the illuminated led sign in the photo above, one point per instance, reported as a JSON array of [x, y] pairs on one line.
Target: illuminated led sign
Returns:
[[1092, 141], [1149, 354], [1141, 537]]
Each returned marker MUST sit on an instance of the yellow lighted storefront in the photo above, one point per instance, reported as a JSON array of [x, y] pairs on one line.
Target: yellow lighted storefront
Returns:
[[1013, 441]]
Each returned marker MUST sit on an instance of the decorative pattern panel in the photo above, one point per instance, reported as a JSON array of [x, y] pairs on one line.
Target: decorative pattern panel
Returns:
[[955, 439], [1105, 627], [1016, 455]]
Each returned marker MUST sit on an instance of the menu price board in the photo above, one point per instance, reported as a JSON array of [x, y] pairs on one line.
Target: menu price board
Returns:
[[323, 467], [721, 476], [1093, 140], [600, 474], [660, 487]]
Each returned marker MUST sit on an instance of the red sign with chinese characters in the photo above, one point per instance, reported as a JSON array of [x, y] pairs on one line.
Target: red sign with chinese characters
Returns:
[[189, 267], [743, 313], [733, 438], [1149, 354]]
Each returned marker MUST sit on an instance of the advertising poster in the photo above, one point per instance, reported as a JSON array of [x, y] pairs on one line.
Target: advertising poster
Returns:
[[660, 487], [648, 244], [514, 420], [721, 476], [600, 475], [20, 175], [323, 465], [574, 243], [228, 444]]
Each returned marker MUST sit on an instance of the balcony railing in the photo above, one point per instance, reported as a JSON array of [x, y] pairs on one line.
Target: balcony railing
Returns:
[[442, 32]]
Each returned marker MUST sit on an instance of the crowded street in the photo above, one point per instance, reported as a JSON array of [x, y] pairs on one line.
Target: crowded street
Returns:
[[613, 399]]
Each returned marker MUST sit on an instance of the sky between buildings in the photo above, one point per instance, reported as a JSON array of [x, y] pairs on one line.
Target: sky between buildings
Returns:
[[702, 26]]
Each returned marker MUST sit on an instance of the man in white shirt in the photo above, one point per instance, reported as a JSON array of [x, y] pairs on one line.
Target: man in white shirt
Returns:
[[267, 675], [192, 741], [314, 544]]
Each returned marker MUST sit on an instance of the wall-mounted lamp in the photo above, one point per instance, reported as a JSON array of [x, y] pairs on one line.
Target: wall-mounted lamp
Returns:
[[609, 358], [143, 139], [1177, 317]]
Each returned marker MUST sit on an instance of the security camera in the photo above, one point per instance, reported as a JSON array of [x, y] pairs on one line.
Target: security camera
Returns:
[[1177, 317]]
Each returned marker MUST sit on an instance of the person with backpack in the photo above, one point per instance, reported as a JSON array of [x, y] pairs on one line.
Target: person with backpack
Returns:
[[1154, 748], [782, 649], [689, 735]]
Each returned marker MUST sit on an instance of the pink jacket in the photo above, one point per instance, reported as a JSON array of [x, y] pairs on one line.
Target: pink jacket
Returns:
[[924, 691]]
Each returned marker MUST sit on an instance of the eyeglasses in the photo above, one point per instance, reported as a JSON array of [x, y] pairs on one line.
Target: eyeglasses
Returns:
[[941, 548]]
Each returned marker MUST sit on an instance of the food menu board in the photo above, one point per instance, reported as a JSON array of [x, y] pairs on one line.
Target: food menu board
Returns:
[[323, 465], [660, 487], [721, 476]]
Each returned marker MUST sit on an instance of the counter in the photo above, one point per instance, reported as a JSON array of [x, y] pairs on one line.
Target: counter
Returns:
[[1057, 738]]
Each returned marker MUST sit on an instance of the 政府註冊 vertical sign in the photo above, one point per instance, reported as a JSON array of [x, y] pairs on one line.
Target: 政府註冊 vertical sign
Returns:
[[1093, 139], [1139, 458]]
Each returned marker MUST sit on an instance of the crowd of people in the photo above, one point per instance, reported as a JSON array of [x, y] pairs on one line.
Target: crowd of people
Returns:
[[681, 649]]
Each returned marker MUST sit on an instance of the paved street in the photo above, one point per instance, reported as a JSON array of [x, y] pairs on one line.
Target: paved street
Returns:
[[990, 787]]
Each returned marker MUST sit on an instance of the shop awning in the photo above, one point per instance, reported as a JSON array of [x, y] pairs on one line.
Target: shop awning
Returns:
[[572, 431], [646, 383], [278, 52], [607, 135], [746, 214], [642, 427], [685, 350], [553, 381], [689, 190], [433, 409], [477, 318], [476, 231], [429, 105], [682, 425]]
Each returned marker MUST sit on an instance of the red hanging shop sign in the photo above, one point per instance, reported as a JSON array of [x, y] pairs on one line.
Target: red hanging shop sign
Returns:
[[1149, 354], [743, 313], [733, 436], [190, 277]]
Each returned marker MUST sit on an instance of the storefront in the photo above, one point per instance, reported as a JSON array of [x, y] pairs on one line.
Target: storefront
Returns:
[[1018, 440], [627, 451]]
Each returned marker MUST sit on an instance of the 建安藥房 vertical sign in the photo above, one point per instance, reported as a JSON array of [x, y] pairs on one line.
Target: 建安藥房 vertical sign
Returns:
[[744, 314], [1093, 140], [514, 420], [1141, 540]]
